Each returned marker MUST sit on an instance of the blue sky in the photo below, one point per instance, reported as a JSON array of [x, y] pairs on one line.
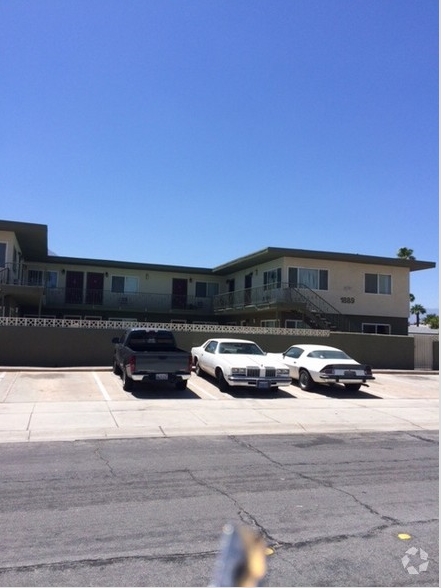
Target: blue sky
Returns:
[[195, 132]]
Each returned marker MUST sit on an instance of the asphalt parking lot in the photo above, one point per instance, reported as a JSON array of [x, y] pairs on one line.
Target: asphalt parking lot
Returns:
[[39, 405]]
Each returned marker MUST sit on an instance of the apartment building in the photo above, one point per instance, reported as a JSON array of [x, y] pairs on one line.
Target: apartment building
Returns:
[[273, 287]]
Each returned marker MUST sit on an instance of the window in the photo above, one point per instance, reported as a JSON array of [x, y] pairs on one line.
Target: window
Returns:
[[295, 324], [272, 279], [35, 278], [302, 277], [206, 289], [2, 254], [124, 284], [51, 279], [378, 284], [377, 329], [211, 347], [269, 323], [294, 352]]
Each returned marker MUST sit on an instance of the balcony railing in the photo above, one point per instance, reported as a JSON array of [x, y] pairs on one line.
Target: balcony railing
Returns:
[[315, 310], [136, 301]]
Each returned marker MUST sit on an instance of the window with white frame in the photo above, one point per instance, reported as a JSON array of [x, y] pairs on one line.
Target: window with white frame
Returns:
[[272, 278], [303, 277], [269, 323], [206, 289], [378, 283], [376, 328], [124, 284]]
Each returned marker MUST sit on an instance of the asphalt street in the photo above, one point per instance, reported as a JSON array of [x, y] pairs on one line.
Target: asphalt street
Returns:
[[101, 487], [335, 509]]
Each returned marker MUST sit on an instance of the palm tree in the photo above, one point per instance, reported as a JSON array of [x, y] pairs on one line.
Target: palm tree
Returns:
[[417, 309], [405, 253], [432, 320]]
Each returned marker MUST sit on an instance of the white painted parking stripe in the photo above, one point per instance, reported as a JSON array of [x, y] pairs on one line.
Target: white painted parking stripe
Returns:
[[101, 387], [202, 391]]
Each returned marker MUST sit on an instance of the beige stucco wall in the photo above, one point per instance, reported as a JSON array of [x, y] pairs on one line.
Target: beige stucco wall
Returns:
[[11, 243]]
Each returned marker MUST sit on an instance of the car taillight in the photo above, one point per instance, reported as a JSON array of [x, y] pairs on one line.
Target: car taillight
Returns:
[[328, 370], [190, 363], [368, 370], [132, 363]]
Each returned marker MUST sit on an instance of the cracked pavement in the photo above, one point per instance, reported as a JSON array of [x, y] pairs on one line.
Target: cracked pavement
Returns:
[[150, 511]]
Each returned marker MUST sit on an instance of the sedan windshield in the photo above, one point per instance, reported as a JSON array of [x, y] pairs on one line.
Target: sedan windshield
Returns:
[[328, 354], [242, 348]]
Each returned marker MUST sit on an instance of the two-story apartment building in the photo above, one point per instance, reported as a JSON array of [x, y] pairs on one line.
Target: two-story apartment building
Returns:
[[278, 287]]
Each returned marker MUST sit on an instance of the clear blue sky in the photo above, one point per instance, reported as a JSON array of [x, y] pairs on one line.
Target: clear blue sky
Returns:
[[193, 132]]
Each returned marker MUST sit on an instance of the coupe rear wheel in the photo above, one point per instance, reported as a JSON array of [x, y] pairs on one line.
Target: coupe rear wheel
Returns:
[[221, 381], [305, 381], [353, 387]]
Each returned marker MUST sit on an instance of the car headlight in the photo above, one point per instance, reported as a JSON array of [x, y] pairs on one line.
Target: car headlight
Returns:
[[236, 371], [283, 372]]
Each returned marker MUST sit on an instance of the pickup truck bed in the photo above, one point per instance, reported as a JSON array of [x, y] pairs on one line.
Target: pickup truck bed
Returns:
[[149, 355]]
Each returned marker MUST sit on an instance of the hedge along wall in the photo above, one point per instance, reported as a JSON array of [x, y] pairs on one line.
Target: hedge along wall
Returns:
[[74, 347]]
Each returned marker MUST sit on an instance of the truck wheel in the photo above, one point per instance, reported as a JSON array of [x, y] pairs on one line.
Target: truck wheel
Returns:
[[116, 369], [305, 381], [221, 381], [181, 385], [127, 382]]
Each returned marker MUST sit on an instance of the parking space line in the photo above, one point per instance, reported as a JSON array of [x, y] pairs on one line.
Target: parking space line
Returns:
[[202, 391], [101, 387]]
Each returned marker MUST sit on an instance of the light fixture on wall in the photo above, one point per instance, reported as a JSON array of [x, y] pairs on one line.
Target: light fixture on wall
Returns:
[[107, 274], [63, 271], [190, 280]]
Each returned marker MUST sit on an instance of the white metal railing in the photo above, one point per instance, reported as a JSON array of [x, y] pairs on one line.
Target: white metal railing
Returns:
[[186, 327]]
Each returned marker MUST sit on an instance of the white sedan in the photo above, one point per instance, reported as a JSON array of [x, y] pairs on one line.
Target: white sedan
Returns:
[[322, 364], [238, 362]]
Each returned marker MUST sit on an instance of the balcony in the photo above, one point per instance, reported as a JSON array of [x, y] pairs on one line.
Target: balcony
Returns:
[[87, 299], [312, 307]]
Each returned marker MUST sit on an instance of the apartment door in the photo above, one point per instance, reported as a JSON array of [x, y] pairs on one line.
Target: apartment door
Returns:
[[179, 293], [74, 287], [94, 288]]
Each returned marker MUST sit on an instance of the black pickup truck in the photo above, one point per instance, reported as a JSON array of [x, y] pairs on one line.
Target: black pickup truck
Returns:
[[150, 355]]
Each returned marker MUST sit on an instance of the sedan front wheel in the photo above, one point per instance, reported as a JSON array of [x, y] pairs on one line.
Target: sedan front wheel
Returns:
[[221, 381]]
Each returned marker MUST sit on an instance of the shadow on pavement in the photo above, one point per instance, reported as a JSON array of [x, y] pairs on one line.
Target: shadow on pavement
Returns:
[[341, 392], [165, 391]]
